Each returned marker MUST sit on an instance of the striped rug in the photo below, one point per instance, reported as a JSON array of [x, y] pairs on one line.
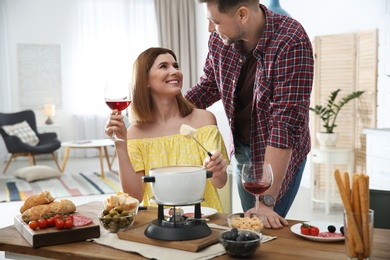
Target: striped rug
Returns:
[[68, 185]]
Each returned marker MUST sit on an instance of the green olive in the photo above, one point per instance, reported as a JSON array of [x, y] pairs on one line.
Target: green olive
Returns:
[[113, 212], [116, 218], [125, 213], [119, 209]]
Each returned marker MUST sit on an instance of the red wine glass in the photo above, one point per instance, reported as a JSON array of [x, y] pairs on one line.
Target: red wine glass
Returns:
[[117, 95], [257, 178]]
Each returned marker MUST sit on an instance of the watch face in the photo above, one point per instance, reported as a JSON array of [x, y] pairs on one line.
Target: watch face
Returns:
[[269, 200]]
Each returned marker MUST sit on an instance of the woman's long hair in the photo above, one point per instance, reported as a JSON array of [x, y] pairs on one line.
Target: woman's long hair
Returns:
[[142, 104]]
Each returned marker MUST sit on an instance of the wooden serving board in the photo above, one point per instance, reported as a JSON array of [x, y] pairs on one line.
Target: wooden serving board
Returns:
[[53, 236], [136, 234]]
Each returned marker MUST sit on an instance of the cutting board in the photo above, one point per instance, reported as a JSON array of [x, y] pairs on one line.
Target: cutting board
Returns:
[[136, 234], [53, 236]]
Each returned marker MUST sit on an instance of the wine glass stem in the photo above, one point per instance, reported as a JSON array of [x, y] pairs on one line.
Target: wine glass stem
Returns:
[[257, 203]]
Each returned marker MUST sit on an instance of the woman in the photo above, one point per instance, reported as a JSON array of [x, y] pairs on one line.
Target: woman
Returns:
[[154, 140]]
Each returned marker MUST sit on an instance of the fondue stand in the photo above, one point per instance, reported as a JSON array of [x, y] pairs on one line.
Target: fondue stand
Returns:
[[178, 227], [181, 179]]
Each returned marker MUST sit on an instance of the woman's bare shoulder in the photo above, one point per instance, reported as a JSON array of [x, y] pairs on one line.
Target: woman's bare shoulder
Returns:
[[137, 131], [203, 117]]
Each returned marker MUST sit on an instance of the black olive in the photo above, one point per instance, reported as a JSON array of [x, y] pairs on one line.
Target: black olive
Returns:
[[331, 228], [240, 237], [234, 233], [342, 230]]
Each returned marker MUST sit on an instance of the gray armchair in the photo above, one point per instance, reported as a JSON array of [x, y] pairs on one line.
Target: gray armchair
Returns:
[[48, 142]]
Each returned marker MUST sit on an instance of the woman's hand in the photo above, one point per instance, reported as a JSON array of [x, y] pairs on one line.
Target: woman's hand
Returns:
[[116, 124], [218, 165]]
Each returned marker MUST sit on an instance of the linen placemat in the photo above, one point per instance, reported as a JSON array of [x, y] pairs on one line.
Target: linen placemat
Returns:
[[157, 252], [164, 253]]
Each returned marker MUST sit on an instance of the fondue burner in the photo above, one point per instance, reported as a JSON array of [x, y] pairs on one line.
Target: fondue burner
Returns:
[[178, 227]]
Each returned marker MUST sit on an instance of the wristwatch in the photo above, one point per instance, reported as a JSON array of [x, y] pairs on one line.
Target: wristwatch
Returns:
[[267, 199]]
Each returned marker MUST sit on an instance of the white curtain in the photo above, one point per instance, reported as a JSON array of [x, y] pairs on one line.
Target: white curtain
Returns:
[[110, 35], [5, 84], [176, 28]]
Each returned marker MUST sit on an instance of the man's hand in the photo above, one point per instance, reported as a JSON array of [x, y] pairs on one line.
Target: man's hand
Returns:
[[273, 219]]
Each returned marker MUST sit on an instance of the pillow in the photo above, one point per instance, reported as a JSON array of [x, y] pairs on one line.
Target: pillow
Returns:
[[23, 131], [36, 172]]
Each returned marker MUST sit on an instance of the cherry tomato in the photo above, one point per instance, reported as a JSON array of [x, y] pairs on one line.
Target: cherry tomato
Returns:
[[60, 224], [314, 231], [33, 224], [58, 216], [305, 229], [68, 223], [42, 223], [51, 222]]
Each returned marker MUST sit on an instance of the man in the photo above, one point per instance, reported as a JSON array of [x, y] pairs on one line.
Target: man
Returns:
[[260, 64]]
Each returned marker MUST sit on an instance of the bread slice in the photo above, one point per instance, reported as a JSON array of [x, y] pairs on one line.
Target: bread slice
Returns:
[[121, 199]]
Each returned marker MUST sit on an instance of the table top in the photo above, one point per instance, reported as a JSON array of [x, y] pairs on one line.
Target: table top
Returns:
[[286, 246], [88, 143]]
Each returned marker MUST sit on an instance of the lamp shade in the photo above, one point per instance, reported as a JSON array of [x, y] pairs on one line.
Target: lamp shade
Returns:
[[49, 110]]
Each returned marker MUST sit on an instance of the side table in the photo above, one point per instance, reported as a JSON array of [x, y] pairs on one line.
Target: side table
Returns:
[[100, 144], [329, 157]]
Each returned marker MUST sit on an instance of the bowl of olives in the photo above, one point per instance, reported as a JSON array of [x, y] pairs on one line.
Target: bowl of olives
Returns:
[[116, 219], [240, 243]]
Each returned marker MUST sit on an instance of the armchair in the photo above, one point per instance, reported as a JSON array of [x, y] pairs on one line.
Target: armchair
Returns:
[[48, 142]]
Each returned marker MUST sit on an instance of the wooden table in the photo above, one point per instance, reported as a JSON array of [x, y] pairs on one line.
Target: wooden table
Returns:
[[100, 144], [286, 246]]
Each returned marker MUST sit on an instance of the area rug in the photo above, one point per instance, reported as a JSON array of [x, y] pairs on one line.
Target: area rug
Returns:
[[68, 185]]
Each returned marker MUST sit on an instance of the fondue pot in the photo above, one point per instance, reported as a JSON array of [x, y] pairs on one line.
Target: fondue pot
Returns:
[[178, 185]]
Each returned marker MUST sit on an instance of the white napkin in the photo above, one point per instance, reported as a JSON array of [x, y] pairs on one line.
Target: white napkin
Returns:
[[156, 252]]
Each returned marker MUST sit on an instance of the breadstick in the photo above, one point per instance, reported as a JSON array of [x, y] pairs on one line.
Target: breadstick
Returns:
[[347, 183], [356, 202], [363, 191], [352, 228]]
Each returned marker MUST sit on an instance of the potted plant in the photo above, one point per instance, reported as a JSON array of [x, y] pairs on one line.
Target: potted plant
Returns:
[[328, 114]]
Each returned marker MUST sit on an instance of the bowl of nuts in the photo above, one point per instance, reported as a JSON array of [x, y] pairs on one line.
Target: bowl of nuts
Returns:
[[240, 243], [116, 219], [253, 221]]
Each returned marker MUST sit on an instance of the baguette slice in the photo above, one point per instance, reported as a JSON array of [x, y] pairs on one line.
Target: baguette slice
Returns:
[[42, 211], [37, 199], [121, 199]]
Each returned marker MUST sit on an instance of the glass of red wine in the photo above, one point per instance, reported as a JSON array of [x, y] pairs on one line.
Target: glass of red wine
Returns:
[[117, 95], [257, 178]]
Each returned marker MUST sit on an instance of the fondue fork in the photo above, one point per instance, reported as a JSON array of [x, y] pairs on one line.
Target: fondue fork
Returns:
[[189, 132], [208, 153]]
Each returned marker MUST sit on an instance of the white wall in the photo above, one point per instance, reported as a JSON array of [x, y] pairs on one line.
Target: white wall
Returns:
[[49, 21], [323, 17], [41, 22]]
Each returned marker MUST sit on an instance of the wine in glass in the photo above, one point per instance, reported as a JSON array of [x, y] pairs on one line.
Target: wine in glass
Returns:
[[117, 95], [257, 178]]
